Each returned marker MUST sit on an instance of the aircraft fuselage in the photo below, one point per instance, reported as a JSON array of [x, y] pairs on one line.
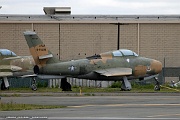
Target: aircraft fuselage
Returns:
[[141, 67], [17, 66]]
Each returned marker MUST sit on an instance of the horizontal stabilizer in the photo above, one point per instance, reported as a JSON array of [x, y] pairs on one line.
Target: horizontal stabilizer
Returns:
[[12, 58], [10, 68], [6, 74], [115, 71], [45, 56], [25, 76]]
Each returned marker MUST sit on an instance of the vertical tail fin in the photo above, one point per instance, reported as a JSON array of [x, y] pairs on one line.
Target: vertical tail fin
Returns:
[[38, 49]]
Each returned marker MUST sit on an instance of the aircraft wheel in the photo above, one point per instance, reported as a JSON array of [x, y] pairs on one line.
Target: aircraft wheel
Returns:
[[3, 86], [34, 87], [157, 85], [68, 87], [125, 89], [157, 88], [122, 89]]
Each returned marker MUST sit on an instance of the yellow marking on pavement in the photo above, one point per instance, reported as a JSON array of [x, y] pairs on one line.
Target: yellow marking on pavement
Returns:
[[163, 115], [169, 88], [123, 105]]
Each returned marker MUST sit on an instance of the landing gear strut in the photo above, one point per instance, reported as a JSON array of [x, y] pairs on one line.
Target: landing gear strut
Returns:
[[157, 84], [65, 86], [126, 85], [33, 85]]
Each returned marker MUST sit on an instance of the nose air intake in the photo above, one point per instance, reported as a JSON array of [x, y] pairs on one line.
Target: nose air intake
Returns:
[[157, 66]]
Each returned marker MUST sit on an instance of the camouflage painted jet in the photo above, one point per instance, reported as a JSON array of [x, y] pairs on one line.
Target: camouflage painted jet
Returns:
[[122, 65], [12, 65], [174, 84]]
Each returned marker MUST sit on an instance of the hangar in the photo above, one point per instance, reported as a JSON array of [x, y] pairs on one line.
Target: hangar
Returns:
[[79, 36]]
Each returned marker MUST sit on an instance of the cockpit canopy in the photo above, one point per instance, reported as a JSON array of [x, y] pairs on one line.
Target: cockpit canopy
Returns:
[[117, 53], [7, 53], [124, 52]]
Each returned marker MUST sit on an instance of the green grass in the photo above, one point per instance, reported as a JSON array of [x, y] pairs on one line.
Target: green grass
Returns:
[[89, 90], [137, 88], [15, 107]]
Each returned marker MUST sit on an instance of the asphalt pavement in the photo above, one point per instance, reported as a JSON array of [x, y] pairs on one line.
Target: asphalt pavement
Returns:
[[127, 106]]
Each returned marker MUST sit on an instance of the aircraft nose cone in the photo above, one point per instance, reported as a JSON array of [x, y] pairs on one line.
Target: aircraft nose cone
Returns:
[[156, 66]]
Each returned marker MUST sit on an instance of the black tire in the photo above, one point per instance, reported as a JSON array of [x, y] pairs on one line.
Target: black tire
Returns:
[[156, 88], [65, 86], [3, 86], [34, 87]]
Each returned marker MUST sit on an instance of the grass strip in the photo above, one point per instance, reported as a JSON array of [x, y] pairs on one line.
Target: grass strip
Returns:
[[75, 89]]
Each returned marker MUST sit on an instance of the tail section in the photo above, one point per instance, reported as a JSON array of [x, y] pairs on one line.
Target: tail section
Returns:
[[38, 50]]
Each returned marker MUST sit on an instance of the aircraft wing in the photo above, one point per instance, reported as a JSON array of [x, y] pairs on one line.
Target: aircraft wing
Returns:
[[44, 76], [12, 58], [5, 74], [115, 71], [17, 57]]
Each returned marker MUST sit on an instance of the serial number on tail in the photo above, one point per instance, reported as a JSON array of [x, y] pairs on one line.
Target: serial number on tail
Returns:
[[41, 48]]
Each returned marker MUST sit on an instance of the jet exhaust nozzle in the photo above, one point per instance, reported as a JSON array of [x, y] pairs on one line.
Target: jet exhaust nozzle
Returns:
[[36, 69]]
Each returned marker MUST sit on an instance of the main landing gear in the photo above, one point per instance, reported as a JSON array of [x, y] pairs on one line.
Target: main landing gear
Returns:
[[33, 85], [65, 86], [157, 84], [126, 85]]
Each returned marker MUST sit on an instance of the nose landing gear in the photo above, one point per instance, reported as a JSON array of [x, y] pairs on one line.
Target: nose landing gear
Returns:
[[157, 84]]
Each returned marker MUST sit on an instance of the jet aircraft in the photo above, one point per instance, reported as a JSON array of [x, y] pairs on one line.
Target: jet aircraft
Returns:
[[174, 84], [12, 65], [122, 65]]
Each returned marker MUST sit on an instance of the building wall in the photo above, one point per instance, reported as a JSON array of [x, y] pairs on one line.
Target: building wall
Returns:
[[11, 37], [78, 40], [49, 34], [82, 40], [129, 37], [66, 41], [160, 41]]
